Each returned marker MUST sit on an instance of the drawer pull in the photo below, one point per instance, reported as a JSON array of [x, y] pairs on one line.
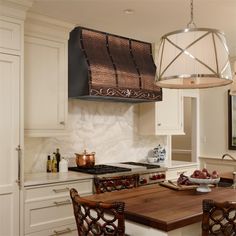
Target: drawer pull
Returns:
[[61, 190], [60, 232], [63, 202]]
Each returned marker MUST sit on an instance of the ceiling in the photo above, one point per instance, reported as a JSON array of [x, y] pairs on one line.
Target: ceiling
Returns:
[[150, 20]]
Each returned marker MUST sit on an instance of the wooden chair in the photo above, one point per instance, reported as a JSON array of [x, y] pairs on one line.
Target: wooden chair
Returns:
[[98, 218], [109, 184], [219, 218]]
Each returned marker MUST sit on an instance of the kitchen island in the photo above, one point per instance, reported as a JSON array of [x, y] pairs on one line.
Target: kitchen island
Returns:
[[156, 210]]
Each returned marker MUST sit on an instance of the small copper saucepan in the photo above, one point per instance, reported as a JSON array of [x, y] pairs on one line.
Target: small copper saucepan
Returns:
[[85, 160]]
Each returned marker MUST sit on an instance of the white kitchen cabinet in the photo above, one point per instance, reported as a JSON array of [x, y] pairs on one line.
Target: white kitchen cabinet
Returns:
[[9, 141], [48, 208], [12, 15], [174, 172], [67, 230], [164, 117], [46, 77], [10, 36]]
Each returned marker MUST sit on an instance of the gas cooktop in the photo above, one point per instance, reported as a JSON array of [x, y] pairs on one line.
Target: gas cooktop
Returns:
[[148, 166], [100, 169]]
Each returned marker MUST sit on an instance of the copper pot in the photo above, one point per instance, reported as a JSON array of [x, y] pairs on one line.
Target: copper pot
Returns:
[[85, 159]]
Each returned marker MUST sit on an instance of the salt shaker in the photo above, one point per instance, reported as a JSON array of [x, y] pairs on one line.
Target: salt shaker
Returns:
[[63, 165]]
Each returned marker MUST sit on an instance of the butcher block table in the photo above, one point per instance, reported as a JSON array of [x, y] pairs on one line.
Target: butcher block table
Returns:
[[158, 210]]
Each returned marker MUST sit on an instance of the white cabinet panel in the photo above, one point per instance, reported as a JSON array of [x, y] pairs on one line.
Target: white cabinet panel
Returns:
[[164, 117], [48, 214], [10, 36], [45, 86], [59, 190], [49, 207], [65, 230], [174, 172], [9, 140]]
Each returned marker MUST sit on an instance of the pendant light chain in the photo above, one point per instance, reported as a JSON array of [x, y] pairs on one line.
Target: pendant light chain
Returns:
[[191, 24]]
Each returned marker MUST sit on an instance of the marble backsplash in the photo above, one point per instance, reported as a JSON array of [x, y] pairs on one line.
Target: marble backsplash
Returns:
[[107, 128]]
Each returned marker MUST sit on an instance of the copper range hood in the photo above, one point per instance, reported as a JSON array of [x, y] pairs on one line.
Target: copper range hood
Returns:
[[111, 67]]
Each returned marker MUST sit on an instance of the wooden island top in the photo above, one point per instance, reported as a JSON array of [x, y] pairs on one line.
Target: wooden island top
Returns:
[[163, 208]]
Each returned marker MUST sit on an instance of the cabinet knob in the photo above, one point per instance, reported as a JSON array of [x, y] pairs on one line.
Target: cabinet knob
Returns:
[[159, 124], [62, 123]]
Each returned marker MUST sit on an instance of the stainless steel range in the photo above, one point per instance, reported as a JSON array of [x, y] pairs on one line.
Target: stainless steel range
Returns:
[[148, 173]]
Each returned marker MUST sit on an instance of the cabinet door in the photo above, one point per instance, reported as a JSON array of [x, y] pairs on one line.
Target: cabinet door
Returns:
[[162, 118], [45, 86], [9, 140], [169, 113]]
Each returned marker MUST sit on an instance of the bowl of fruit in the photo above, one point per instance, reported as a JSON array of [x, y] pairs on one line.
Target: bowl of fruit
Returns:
[[204, 179]]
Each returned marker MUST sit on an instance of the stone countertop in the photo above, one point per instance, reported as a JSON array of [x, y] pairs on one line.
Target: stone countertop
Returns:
[[43, 178]]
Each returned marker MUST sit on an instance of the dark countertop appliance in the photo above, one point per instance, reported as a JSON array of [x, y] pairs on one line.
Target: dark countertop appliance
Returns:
[[100, 169]]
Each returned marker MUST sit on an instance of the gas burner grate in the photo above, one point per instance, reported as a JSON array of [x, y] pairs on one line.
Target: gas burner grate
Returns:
[[149, 166], [100, 169]]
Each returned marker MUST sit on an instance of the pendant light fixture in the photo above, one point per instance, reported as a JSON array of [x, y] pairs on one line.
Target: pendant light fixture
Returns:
[[193, 58]]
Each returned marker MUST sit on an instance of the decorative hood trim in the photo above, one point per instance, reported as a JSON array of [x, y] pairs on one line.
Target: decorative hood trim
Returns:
[[106, 66]]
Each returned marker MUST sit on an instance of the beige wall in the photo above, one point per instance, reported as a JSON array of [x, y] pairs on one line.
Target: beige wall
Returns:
[[214, 122]]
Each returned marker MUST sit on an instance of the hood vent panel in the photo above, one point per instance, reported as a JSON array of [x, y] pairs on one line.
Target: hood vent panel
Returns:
[[106, 66]]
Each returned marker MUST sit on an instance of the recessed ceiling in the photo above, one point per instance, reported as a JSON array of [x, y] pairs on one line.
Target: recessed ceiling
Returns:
[[150, 19]]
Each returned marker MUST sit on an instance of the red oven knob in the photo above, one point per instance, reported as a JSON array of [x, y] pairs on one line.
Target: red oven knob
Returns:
[[152, 177], [143, 181], [163, 176]]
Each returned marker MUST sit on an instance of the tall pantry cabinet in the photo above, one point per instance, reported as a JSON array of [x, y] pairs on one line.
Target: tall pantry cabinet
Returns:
[[12, 15]]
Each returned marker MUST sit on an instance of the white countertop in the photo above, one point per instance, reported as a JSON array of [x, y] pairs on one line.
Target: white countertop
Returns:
[[49, 178]]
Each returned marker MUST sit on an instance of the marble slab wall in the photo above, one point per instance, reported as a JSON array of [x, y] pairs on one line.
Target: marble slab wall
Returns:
[[108, 128]]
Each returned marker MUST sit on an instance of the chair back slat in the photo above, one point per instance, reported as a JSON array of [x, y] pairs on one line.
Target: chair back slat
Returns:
[[98, 218]]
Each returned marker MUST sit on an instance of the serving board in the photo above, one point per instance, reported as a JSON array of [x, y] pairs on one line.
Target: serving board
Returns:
[[178, 187]]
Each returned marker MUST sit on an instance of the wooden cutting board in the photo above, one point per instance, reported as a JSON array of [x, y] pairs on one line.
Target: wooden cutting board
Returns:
[[178, 187]]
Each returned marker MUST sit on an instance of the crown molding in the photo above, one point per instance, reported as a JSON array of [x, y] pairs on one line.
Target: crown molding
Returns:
[[38, 24], [15, 8]]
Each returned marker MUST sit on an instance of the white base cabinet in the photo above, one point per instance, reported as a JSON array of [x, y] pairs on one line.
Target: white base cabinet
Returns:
[[48, 208], [174, 172], [164, 117], [67, 230]]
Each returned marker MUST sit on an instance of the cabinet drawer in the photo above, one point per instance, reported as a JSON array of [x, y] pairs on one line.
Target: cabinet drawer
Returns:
[[174, 173], [48, 214], [10, 35], [66, 230], [84, 187]]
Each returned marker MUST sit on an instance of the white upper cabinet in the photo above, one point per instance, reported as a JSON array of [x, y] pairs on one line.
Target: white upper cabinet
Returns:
[[10, 36], [46, 78], [164, 117]]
